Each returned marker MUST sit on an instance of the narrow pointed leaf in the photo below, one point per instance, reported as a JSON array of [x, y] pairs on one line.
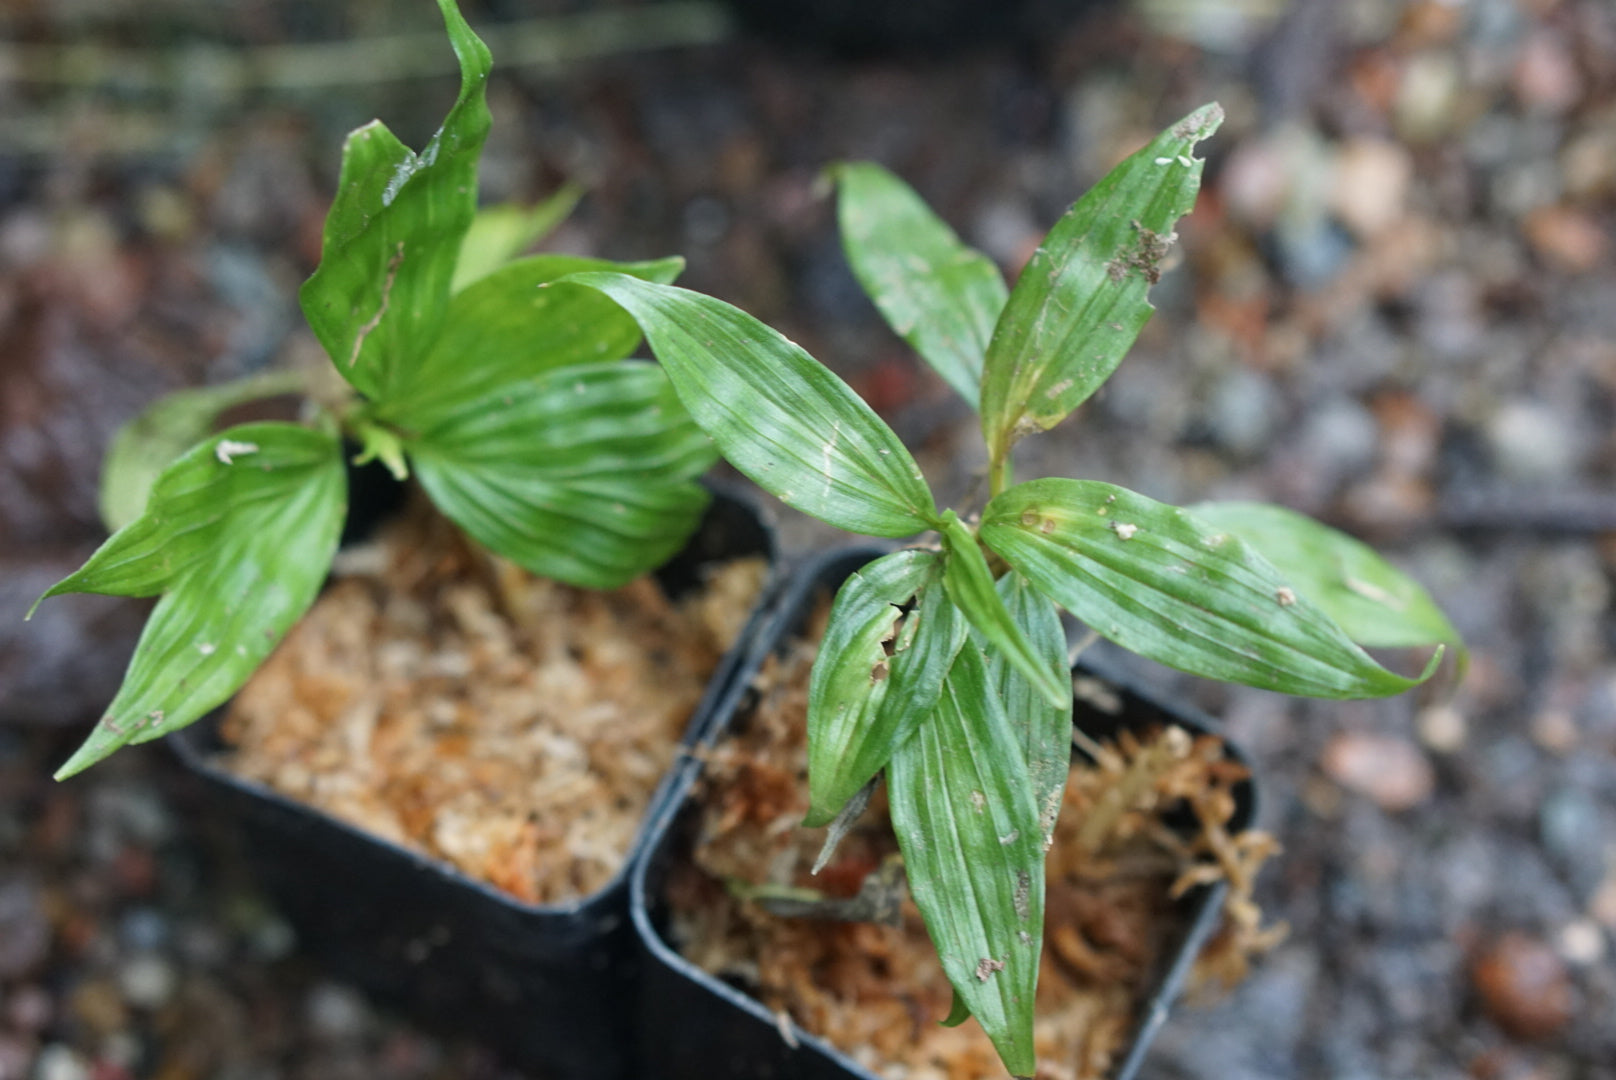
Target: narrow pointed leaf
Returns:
[[146, 445], [936, 293], [970, 585], [958, 1012], [1158, 581], [499, 234], [963, 812], [776, 413], [514, 323], [862, 700], [1377, 604], [1045, 730], [583, 474], [377, 300], [238, 536], [1081, 300]]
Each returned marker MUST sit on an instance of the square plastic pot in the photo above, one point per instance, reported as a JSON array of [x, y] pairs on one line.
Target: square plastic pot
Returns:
[[694, 1026], [550, 987]]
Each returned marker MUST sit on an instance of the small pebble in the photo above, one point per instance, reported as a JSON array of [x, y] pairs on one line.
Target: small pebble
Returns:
[[58, 1062], [16, 1055], [147, 981], [1371, 186], [1581, 942], [1566, 238], [337, 1013], [1524, 987], [1390, 770], [1442, 728], [1555, 731], [1531, 441], [30, 1008]]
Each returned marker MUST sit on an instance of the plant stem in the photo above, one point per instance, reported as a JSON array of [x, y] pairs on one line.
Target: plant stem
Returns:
[[1000, 472]]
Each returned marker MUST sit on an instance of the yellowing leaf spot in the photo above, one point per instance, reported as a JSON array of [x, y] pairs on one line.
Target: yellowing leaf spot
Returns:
[[979, 801], [1030, 518]]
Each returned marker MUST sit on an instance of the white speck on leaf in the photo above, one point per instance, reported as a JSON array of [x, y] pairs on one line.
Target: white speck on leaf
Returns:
[[228, 449], [1164, 161], [1186, 161], [1010, 837], [207, 649], [986, 967], [1285, 595], [1125, 531], [979, 801]]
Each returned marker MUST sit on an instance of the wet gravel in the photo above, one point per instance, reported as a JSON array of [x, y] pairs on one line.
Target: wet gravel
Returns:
[[1395, 309]]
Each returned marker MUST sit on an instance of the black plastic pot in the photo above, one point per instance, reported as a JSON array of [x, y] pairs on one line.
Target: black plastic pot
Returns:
[[548, 986], [694, 1026]]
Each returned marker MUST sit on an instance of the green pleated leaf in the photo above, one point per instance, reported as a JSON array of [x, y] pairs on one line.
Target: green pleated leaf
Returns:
[[1081, 300], [1157, 580], [499, 234], [1045, 729], [238, 535], [776, 413], [583, 474], [863, 700], [149, 443], [378, 298], [515, 323], [963, 812], [1377, 604], [939, 295], [970, 585]]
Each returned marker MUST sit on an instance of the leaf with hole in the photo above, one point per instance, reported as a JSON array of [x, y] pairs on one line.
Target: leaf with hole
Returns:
[[1377, 604], [1081, 301], [1158, 581], [865, 698]]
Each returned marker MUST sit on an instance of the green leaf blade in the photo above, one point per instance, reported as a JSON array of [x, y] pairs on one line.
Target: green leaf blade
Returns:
[[146, 445], [970, 585], [1081, 301], [963, 812], [1159, 582], [499, 234], [862, 701], [939, 295], [583, 474], [776, 413], [516, 323], [225, 609], [377, 299], [1045, 729], [1377, 604]]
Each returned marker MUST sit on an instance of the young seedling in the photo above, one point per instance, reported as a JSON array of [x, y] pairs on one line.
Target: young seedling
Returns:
[[513, 405], [944, 665]]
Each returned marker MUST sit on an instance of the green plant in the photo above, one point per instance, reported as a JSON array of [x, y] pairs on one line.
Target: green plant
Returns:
[[943, 665], [514, 405]]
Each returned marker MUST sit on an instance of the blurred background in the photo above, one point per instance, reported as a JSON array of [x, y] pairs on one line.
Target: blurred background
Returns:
[[1394, 308]]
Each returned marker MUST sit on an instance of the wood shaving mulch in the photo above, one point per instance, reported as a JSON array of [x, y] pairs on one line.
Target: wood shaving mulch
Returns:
[[878, 991], [459, 706]]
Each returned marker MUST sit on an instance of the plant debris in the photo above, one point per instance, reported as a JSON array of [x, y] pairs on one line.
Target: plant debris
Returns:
[[877, 991], [454, 704]]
